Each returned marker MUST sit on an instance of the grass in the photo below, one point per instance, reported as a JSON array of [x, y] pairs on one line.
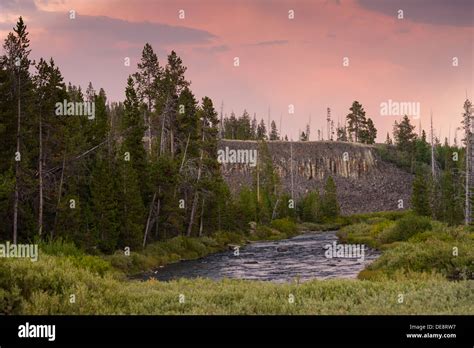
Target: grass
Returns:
[[418, 258], [45, 287], [414, 244], [342, 221], [172, 250]]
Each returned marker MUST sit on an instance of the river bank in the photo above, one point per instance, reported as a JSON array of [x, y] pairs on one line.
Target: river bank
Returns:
[[300, 258], [47, 285], [425, 268]]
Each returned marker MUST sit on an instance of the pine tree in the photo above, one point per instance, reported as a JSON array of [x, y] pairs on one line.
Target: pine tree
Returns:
[[187, 125], [310, 207], [286, 208], [131, 208], [404, 134], [132, 166], [49, 88], [148, 81], [16, 62], [243, 127], [356, 120], [420, 198], [267, 185], [261, 131], [171, 85], [371, 132], [422, 149], [74, 175], [341, 133], [451, 210], [303, 136], [230, 127], [329, 204], [253, 127], [7, 132], [100, 124], [245, 207], [274, 132], [133, 131], [105, 224], [208, 156]]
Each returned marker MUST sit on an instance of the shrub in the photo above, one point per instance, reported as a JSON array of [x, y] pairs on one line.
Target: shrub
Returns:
[[404, 228], [59, 247], [194, 246], [328, 226], [286, 226], [135, 263], [264, 232], [209, 242], [10, 300], [431, 255], [375, 220], [94, 264], [309, 207], [224, 237], [353, 233], [369, 274], [389, 215], [44, 287]]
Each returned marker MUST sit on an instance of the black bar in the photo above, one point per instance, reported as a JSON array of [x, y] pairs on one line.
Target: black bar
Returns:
[[348, 331]]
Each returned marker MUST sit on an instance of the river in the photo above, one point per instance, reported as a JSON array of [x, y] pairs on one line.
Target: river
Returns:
[[302, 257]]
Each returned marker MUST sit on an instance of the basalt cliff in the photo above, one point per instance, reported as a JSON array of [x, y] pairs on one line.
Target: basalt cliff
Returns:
[[365, 183]]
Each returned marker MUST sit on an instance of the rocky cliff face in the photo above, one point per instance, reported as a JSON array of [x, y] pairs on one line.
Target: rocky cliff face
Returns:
[[364, 182]]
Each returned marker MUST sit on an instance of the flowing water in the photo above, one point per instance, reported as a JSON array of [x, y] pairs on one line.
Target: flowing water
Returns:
[[301, 257]]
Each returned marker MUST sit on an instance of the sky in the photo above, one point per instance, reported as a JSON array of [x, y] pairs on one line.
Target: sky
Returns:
[[302, 54]]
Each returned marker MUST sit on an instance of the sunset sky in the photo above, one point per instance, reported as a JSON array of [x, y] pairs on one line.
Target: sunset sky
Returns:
[[282, 61]]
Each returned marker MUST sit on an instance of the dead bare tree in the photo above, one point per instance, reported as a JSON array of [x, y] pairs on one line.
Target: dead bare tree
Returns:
[[196, 193], [17, 161], [40, 175]]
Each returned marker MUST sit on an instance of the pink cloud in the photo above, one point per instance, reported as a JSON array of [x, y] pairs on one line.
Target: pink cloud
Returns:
[[283, 61]]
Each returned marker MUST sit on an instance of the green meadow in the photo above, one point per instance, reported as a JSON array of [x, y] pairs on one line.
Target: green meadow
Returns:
[[426, 267]]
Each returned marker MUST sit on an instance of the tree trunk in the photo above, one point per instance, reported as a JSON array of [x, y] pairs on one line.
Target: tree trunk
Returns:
[[163, 119], [171, 143], [149, 133], [17, 167], [150, 213], [202, 218], [275, 208], [193, 212], [182, 162], [158, 208], [40, 173], [185, 152], [196, 194], [59, 193], [196, 197]]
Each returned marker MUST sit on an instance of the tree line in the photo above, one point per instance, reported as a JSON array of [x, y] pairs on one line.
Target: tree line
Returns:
[[357, 128], [439, 169], [244, 128], [138, 171]]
